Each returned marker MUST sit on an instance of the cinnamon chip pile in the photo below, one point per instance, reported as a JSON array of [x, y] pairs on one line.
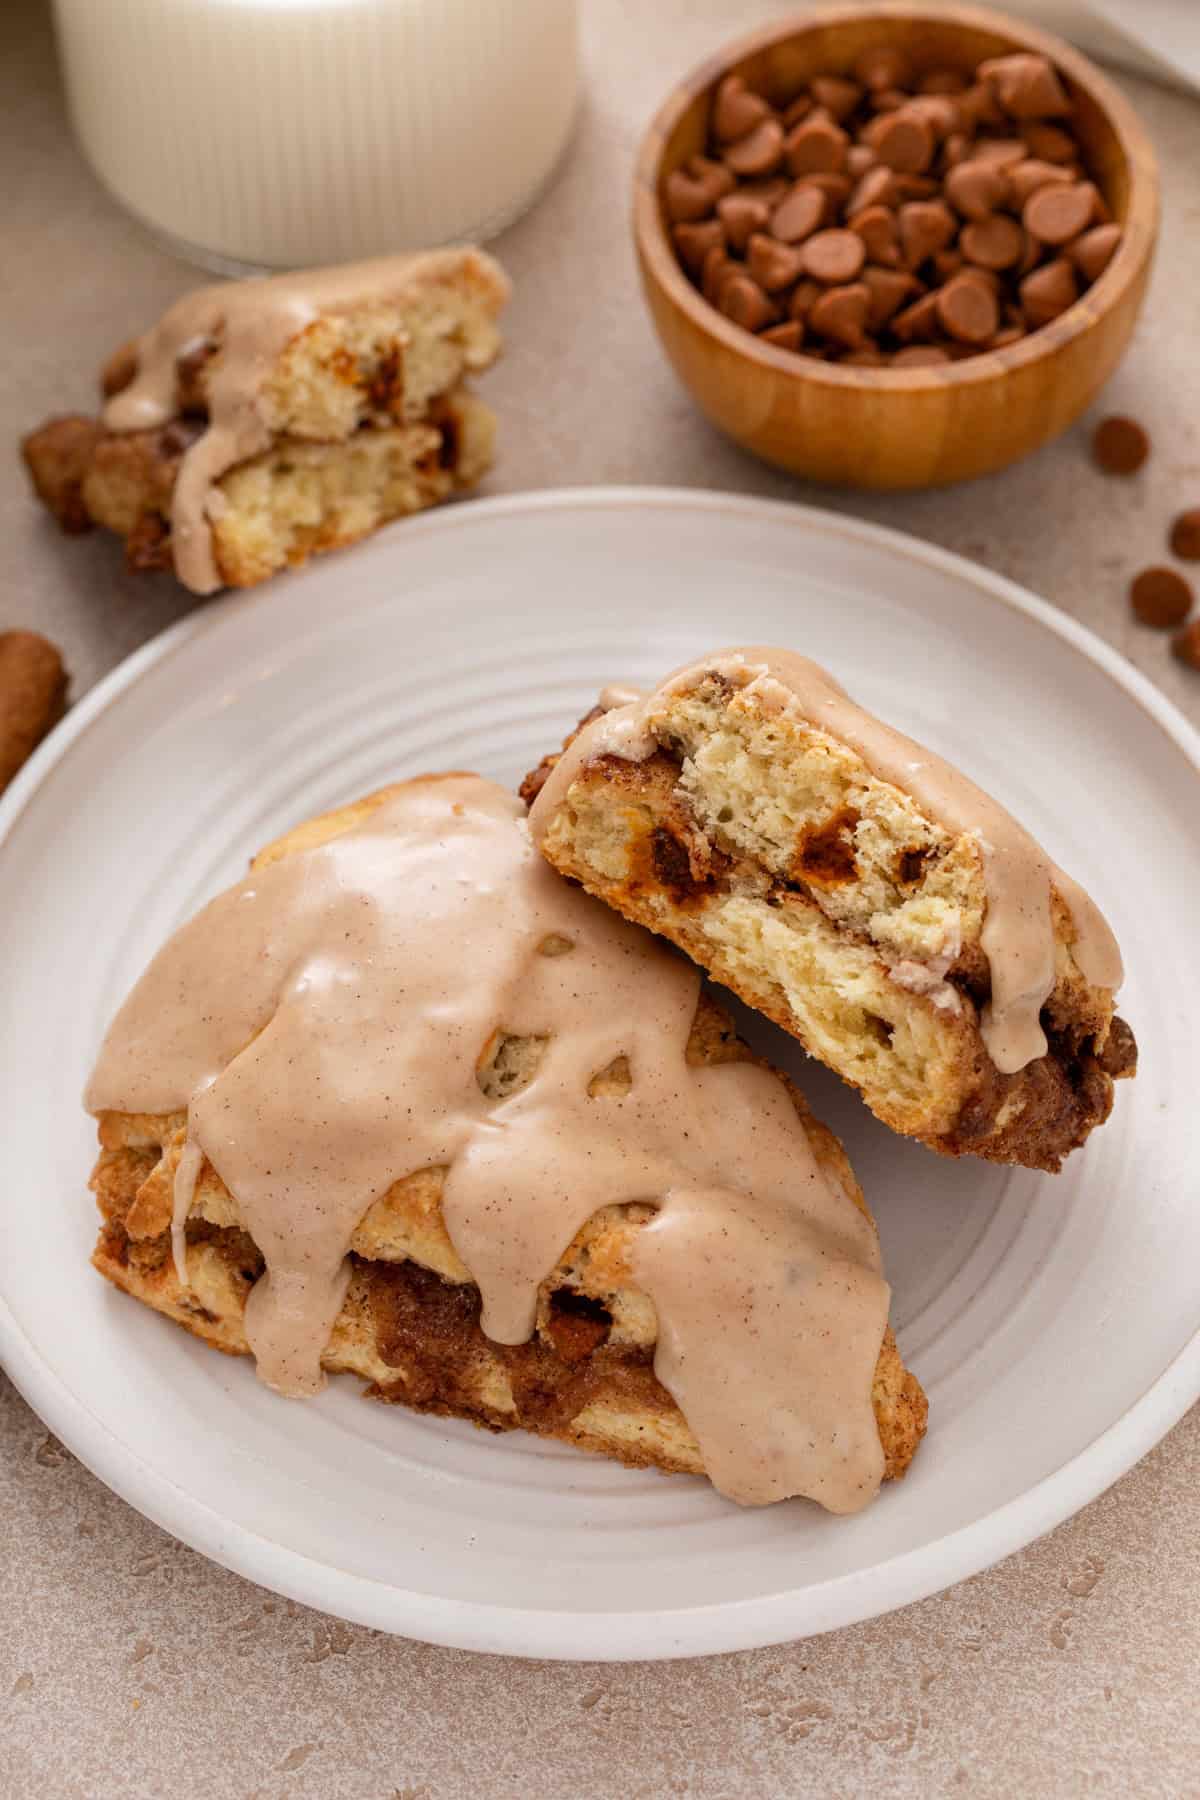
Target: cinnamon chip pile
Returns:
[[893, 219]]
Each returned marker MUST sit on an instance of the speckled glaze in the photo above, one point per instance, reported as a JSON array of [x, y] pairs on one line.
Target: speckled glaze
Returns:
[[130, 1666]]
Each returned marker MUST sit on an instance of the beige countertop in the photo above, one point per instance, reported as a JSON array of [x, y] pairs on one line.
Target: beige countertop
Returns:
[[131, 1666]]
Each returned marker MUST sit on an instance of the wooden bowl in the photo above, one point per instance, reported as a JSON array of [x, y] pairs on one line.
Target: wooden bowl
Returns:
[[898, 428]]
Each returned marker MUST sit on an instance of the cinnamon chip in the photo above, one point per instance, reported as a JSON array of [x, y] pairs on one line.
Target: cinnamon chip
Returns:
[[841, 314], [760, 153], [741, 215], [1120, 445], [1161, 597], [1055, 215], [1026, 86], [967, 311], [772, 264], [743, 301], [736, 111], [1185, 535], [1093, 252], [799, 215], [834, 256], [816, 145], [1048, 292]]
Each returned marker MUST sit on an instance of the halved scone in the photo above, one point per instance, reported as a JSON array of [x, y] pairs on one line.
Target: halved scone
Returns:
[[857, 890], [262, 422], [430, 1261]]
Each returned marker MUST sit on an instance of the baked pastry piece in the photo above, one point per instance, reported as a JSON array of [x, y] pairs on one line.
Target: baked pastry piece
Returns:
[[262, 422], [582, 1356], [857, 890]]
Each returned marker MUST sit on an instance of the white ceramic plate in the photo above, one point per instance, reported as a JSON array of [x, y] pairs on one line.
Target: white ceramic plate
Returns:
[[1051, 1319]]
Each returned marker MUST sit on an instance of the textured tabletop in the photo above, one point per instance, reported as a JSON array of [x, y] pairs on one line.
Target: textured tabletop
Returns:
[[131, 1666]]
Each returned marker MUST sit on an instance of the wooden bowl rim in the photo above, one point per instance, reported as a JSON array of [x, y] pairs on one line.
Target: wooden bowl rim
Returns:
[[1139, 229]]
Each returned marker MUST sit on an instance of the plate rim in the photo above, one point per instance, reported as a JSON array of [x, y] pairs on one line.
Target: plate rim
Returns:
[[564, 1635]]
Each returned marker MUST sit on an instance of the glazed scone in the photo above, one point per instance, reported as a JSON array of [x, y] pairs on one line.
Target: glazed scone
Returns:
[[263, 422], [409, 1323], [856, 890]]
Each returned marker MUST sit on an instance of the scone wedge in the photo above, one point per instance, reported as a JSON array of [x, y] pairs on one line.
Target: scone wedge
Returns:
[[411, 1317], [858, 891], [262, 422]]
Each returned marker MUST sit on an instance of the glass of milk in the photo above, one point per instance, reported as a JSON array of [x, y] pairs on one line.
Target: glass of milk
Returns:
[[272, 134]]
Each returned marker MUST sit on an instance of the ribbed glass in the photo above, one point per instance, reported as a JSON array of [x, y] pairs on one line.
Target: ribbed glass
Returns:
[[282, 133]]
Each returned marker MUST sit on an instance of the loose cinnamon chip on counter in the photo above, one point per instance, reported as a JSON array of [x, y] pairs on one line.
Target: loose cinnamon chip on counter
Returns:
[[1186, 645], [1119, 445], [1185, 535], [33, 689], [1161, 597]]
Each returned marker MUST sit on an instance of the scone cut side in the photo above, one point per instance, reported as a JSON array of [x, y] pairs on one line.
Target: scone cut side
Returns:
[[364, 414], [830, 901], [409, 1324]]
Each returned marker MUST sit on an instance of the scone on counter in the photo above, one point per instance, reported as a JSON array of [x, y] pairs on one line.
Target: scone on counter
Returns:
[[263, 422], [857, 890], [525, 1266]]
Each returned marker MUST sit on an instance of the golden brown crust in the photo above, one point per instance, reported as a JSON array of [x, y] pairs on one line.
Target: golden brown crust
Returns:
[[298, 500], [410, 1323], [369, 416], [414, 1337]]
